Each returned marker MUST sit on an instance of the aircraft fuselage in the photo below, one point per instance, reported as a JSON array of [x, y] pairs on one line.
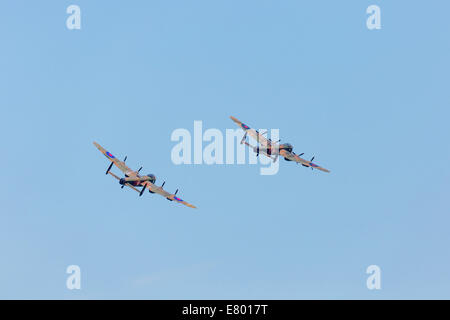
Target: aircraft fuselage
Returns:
[[137, 180]]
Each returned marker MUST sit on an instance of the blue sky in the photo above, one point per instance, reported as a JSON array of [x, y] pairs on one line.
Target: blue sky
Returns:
[[372, 106]]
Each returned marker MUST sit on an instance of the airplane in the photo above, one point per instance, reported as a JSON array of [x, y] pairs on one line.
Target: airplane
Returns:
[[134, 180], [273, 149]]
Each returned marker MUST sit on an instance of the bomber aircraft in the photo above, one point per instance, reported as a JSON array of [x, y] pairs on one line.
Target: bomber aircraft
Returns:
[[134, 180], [273, 149]]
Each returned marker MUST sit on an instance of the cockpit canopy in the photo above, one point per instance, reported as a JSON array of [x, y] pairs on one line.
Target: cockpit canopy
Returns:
[[287, 147], [152, 177]]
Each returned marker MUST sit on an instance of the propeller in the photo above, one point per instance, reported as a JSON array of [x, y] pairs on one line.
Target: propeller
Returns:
[[109, 168], [125, 159], [311, 161], [176, 192], [122, 186], [139, 169], [243, 138], [142, 191], [160, 187]]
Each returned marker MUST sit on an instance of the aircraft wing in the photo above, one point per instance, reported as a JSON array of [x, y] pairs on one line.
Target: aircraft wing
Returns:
[[127, 184], [293, 157], [252, 132], [119, 164], [159, 190]]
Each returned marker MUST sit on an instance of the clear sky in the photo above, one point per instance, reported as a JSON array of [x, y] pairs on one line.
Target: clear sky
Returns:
[[372, 106]]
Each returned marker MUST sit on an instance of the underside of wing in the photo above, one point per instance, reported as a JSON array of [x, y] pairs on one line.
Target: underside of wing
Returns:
[[132, 187], [293, 157], [262, 140], [119, 164], [126, 184], [169, 196]]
